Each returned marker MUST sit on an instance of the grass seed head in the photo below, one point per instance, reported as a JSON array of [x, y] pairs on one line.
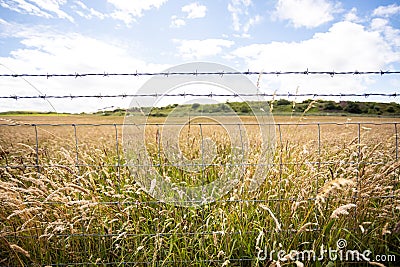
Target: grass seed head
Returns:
[[342, 210], [18, 249]]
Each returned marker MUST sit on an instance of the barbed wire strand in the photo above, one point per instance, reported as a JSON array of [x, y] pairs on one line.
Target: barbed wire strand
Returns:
[[199, 73], [209, 95]]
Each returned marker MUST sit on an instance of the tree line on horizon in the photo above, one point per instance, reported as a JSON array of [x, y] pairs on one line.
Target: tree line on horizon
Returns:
[[281, 106]]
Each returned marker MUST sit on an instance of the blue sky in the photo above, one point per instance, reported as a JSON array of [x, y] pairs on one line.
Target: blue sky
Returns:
[[68, 36]]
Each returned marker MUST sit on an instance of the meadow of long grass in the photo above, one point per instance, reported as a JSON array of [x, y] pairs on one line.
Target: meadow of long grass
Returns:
[[67, 198]]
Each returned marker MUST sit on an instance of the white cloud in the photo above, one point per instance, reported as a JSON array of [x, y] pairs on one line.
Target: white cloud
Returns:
[[386, 11], [306, 13], [46, 51], [54, 6], [391, 34], [177, 22], [251, 22], [346, 46], [42, 8], [237, 8], [352, 16], [241, 20], [127, 11], [378, 23], [194, 10], [199, 49], [88, 13], [24, 8]]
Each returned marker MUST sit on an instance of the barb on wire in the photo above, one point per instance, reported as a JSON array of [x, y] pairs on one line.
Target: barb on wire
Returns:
[[31, 85], [210, 95], [197, 73]]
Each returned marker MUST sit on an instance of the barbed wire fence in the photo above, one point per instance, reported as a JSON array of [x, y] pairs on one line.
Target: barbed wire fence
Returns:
[[118, 164], [202, 73], [210, 95], [199, 73]]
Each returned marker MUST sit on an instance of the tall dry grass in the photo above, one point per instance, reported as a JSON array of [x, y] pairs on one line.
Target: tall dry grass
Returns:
[[79, 206]]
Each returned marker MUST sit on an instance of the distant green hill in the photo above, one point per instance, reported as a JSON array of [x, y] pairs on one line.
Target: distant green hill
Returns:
[[29, 113], [278, 107], [343, 107]]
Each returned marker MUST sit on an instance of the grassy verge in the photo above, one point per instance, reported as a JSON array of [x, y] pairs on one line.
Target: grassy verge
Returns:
[[79, 207]]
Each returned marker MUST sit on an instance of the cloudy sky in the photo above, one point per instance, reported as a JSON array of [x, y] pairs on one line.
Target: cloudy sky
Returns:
[[68, 36]]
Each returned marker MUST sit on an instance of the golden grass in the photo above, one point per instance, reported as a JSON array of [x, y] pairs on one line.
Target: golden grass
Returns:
[[78, 206]]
